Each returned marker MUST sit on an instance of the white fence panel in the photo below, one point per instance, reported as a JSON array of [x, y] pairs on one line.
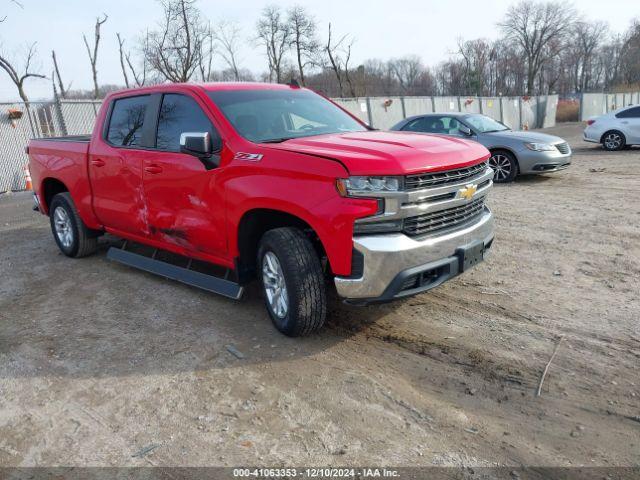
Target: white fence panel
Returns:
[[445, 104], [469, 104], [511, 112], [417, 106], [491, 107], [355, 106], [385, 111]]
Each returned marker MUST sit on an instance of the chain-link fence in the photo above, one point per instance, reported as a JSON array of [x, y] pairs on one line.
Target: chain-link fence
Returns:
[[19, 121]]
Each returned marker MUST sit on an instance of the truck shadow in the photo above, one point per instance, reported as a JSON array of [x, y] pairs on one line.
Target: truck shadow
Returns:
[[95, 318]]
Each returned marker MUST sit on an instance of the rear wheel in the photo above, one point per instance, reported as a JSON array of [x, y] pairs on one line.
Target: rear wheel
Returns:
[[613, 141], [74, 239], [292, 281], [504, 165]]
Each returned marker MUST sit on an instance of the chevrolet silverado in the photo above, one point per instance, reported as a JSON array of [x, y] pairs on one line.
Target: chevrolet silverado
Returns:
[[214, 185]]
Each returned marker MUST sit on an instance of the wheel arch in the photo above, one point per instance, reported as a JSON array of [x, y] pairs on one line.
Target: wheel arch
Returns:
[[50, 188], [254, 223], [611, 130]]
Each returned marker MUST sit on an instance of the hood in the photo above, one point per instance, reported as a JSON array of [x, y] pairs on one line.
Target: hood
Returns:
[[526, 136], [389, 153]]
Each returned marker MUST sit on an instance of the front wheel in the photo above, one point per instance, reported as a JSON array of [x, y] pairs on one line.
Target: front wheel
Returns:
[[292, 281], [504, 165], [613, 141]]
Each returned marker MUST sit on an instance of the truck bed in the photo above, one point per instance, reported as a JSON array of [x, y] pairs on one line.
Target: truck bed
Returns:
[[64, 159]]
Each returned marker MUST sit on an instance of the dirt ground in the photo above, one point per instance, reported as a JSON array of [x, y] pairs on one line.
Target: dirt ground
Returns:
[[100, 362]]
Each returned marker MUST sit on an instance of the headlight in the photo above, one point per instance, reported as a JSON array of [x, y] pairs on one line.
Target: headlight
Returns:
[[367, 185], [540, 147]]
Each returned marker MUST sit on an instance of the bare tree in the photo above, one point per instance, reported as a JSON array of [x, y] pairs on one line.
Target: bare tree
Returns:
[[274, 34], [15, 2], [476, 55], [228, 37], [139, 74], [303, 38], [630, 54], [206, 57], [17, 76], [407, 70], [333, 51], [587, 36], [537, 29], [175, 50], [93, 54], [347, 72], [122, 59], [58, 77]]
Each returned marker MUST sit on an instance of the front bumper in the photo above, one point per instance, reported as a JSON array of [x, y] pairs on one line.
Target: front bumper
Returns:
[[542, 162], [393, 261]]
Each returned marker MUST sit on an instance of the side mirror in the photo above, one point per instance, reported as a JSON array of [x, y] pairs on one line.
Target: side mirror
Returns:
[[465, 130], [195, 143], [199, 144]]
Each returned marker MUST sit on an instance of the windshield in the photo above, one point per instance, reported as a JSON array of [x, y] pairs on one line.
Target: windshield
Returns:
[[484, 124], [279, 115]]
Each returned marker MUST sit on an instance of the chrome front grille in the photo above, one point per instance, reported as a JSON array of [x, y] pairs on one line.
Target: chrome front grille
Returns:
[[563, 147], [425, 180], [446, 219]]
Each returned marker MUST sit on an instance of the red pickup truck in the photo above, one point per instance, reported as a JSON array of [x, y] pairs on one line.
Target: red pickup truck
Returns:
[[214, 185]]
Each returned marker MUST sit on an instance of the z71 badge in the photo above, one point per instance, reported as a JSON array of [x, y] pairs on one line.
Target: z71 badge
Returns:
[[249, 157]]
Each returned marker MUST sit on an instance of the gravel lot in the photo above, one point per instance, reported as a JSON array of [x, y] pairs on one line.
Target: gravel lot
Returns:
[[99, 361]]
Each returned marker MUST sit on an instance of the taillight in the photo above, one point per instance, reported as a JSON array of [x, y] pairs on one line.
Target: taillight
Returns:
[[590, 122]]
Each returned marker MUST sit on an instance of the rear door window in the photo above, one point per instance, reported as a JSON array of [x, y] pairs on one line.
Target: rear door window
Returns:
[[180, 114], [127, 120]]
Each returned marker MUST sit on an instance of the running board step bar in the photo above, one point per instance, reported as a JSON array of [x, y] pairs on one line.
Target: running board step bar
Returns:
[[195, 279]]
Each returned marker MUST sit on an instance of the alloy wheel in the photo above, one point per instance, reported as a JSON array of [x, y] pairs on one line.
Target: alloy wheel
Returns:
[[274, 285], [63, 227], [613, 141], [501, 166]]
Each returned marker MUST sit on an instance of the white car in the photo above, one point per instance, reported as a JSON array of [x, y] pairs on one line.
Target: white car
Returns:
[[615, 130]]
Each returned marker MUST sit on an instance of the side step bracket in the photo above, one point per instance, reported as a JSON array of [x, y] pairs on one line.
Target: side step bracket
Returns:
[[210, 283]]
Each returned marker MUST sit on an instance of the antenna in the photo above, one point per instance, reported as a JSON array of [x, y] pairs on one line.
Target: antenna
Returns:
[[293, 83]]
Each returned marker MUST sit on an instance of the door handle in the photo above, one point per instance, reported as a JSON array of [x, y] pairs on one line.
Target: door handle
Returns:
[[97, 162], [153, 169]]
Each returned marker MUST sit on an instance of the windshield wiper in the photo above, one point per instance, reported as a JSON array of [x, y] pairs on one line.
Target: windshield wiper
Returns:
[[277, 140], [494, 131]]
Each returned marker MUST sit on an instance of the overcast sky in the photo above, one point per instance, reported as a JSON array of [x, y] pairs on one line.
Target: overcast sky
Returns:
[[382, 29]]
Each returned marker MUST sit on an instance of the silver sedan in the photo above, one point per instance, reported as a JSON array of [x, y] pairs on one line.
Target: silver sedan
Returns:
[[512, 152]]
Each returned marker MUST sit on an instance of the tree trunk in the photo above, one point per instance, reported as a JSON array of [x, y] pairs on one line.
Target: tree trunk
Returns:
[[530, 81], [22, 94], [299, 55]]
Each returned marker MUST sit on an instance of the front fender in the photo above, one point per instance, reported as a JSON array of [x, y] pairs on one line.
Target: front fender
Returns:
[[312, 198]]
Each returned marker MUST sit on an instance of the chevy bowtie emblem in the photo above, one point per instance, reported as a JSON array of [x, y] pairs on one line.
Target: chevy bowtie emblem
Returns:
[[468, 191]]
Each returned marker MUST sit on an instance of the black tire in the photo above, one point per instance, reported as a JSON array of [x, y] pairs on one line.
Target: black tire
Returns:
[[613, 140], [505, 166], [81, 240], [305, 293]]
